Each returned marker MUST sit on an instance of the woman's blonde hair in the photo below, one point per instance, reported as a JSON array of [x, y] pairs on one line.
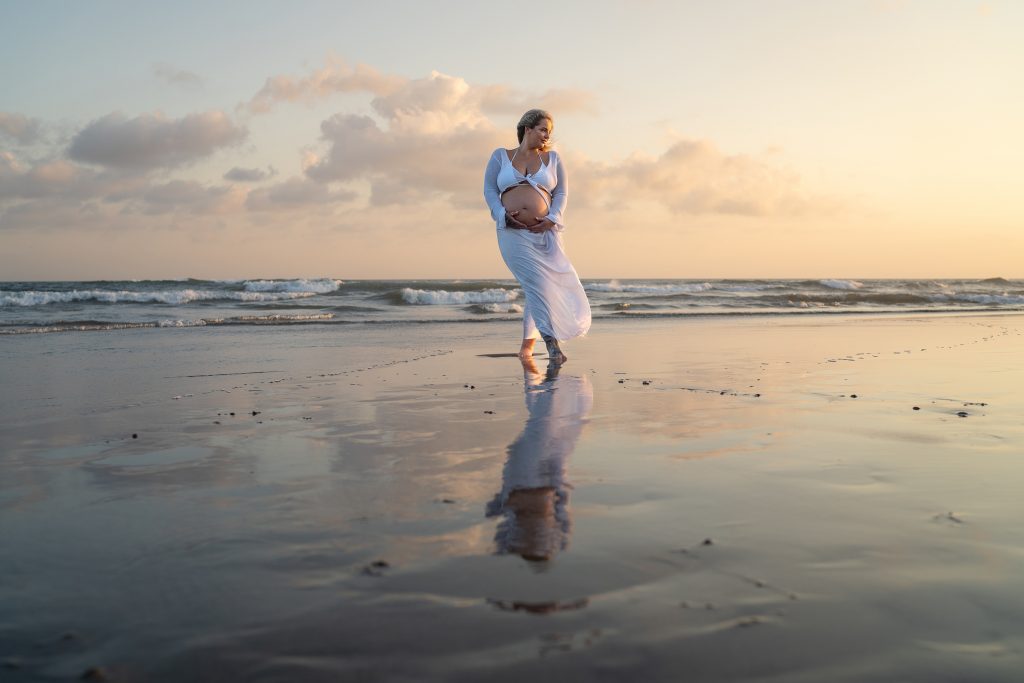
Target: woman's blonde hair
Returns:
[[531, 119]]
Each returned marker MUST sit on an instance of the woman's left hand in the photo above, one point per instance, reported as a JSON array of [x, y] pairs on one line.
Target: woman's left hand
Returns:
[[543, 225]]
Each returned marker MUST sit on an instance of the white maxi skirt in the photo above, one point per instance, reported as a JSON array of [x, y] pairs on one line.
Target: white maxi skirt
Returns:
[[555, 301]]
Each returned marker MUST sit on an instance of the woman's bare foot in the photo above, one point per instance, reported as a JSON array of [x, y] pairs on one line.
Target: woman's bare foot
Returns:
[[526, 350], [555, 354]]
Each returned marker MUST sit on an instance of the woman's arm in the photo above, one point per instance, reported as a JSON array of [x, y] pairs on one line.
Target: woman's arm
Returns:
[[560, 196], [491, 194]]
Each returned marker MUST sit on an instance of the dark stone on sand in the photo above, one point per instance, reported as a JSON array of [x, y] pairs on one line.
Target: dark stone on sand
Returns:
[[94, 673], [216, 422], [255, 413], [489, 412], [375, 568], [757, 395], [707, 541], [622, 381], [962, 413], [465, 386], [135, 436], [853, 395], [721, 393], [447, 501], [472, 386], [646, 383], [948, 517], [231, 414], [917, 407]]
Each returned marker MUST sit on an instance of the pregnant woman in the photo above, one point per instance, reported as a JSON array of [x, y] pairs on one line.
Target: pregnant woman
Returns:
[[526, 190]]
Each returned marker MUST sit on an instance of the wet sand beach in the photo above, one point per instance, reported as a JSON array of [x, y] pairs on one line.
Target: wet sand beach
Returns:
[[703, 499]]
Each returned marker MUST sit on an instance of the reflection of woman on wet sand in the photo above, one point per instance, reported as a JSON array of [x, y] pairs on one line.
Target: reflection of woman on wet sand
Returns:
[[534, 495]]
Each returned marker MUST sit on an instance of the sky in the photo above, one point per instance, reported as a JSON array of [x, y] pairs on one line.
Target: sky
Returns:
[[727, 139]]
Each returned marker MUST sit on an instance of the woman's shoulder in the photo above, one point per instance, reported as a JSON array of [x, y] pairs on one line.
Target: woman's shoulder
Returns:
[[502, 151]]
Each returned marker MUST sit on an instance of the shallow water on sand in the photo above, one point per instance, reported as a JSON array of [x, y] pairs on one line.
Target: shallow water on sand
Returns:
[[705, 500]]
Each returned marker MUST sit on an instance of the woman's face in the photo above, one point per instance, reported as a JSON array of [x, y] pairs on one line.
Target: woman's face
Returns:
[[539, 136]]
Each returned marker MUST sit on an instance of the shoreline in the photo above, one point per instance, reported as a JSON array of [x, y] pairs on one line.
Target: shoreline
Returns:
[[99, 326]]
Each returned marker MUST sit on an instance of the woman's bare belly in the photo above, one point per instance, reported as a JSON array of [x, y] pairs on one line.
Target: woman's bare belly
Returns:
[[527, 201]]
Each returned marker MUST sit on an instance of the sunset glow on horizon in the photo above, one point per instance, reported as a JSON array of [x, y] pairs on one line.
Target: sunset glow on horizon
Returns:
[[859, 139]]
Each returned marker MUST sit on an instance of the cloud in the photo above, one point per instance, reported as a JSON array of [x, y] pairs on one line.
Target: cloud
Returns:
[[438, 136], [500, 99], [436, 141], [335, 77], [394, 92], [151, 141], [419, 147], [59, 179], [188, 195], [62, 187], [695, 177], [169, 74], [249, 175], [295, 193], [20, 128]]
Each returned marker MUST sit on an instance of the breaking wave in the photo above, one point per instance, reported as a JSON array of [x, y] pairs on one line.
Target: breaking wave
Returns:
[[616, 286], [433, 297], [494, 308], [173, 296]]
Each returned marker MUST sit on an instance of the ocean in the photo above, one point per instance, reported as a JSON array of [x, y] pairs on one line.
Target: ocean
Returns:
[[75, 307]]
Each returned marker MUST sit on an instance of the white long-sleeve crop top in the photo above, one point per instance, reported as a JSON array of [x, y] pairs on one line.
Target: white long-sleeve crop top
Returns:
[[501, 175]]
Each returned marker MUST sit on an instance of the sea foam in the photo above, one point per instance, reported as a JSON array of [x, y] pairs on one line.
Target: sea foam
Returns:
[[842, 284], [321, 286], [616, 286], [170, 296], [495, 308], [441, 296]]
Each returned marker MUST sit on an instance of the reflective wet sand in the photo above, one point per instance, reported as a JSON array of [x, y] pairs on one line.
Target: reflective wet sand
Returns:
[[751, 499]]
